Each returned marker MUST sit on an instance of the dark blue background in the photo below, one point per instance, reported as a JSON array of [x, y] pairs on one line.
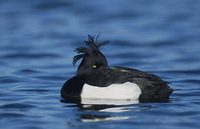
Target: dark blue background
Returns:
[[37, 40]]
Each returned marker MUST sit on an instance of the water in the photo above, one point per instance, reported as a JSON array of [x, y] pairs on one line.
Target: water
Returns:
[[36, 49]]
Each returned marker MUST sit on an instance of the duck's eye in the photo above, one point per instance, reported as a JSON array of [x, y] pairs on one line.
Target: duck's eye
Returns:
[[94, 66]]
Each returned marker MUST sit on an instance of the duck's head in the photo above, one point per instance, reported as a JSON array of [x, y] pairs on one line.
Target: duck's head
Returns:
[[92, 58]]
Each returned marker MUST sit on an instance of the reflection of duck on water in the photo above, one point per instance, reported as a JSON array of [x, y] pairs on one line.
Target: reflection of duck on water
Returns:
[[96, 113], [95, 80], [112, 111]]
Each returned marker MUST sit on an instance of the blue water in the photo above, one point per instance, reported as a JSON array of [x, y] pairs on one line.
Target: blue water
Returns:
[[37, 40]]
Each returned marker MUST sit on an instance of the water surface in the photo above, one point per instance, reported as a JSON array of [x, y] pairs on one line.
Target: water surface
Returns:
[[36, 50]]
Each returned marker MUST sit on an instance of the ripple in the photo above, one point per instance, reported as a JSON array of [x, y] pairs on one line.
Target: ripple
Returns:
[[93, 118], [9, 79], [28, 71], [30, 55], [11, 115], [49, 4], [122, 43], [191, 81], [50, 77], [185, 71], [17, 106], [34, 90]]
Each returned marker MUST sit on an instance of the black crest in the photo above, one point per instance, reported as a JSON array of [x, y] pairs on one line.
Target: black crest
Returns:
[[92, 45]]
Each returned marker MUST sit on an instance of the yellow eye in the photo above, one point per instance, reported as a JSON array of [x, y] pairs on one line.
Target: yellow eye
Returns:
[[94, 66]]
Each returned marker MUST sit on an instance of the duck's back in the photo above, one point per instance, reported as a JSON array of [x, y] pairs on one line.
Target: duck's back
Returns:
[[151, 86]]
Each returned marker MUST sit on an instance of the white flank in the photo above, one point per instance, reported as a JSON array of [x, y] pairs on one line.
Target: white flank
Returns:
[[126, 91], [88, 102]]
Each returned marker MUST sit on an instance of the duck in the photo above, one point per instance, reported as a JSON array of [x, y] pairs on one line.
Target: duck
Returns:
[[96, 80]]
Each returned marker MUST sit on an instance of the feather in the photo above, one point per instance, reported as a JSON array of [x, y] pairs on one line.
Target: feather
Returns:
[[92, 45], [82, 50], [77, 57]]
